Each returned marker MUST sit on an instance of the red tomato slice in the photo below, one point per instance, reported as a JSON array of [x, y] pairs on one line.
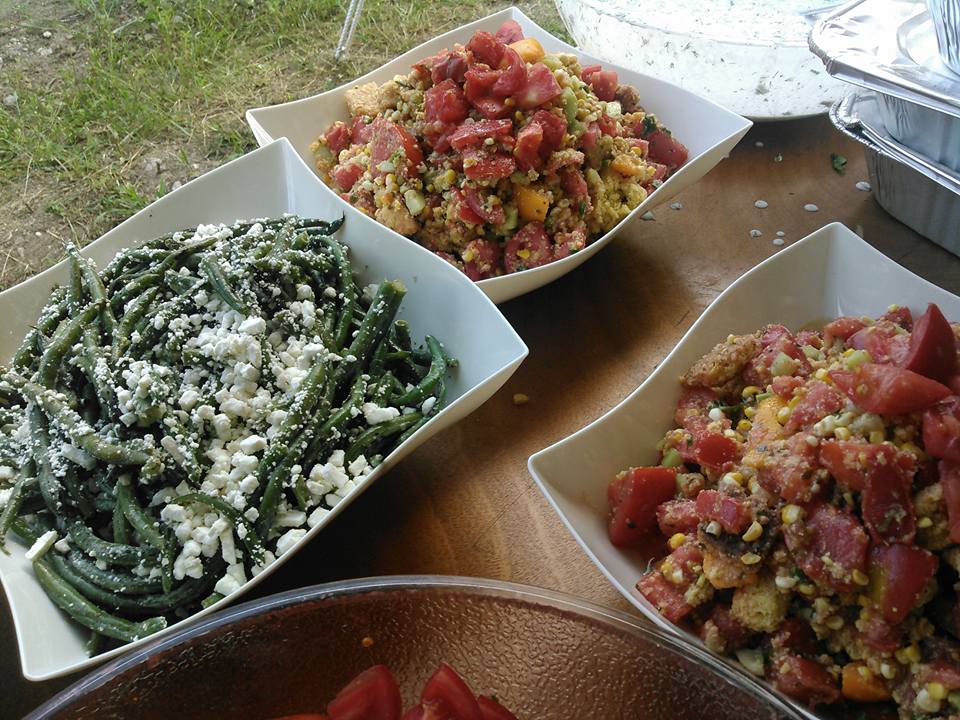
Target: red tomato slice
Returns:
[[346, 176], [828, 531], [804, 680], [541, 87], [889, 390], [795, 636], [486, 48], [389, 139], [664, 596], [941, 430], [603, 82], [714, 450], [513, 74], [693, 401], [733, 514], [338, 137], [821, 400], [878, 634], [445, 103], [489, 212], [950, 482], [486, 259], [361, 129], [492, 710], [842, 327], [887, 504], [851, 462], [666, 149], [529, 247], [509, 32], [785, 385], [371, 695], [933, 350], [634, 501], [898, 576], [677, 516], [472, 134], [733, 633], [482, 165], [900, 316], [447, 687], [885, 341]]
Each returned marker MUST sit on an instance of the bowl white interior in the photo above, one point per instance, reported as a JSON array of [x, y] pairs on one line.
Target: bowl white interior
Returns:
[[708, 130], [829, 273], [267, 183]]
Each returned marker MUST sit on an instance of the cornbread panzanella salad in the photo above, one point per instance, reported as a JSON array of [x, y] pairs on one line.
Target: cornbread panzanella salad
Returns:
[[496, 155], [179, 420], [809, 497], [375, 695]]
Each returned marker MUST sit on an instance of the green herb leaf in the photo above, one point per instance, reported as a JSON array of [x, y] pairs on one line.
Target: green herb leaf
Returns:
[[839, 163]]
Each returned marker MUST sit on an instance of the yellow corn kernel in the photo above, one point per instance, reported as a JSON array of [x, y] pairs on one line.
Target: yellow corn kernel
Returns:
[[794, 401], [529, 49], [734, 476], [821, 374], [749, 391], [877, 437], [848, 352], [676, 540], [864, 672], [936, 690], [783, 414], [807, 588], [628, 165], [914, 450], [842, 433], [753, 532], [750, 412], [835, 622], [753, 485], [532, 204], [888, 671], [861, 578], [744, 426], [750, 558], [790, 513]]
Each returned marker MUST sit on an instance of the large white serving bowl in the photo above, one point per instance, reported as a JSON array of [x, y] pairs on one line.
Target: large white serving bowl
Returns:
[[829, 273], [708, 130], [268, 182]]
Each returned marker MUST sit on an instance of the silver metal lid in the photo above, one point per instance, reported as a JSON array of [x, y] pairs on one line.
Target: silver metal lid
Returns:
[[889, 46]]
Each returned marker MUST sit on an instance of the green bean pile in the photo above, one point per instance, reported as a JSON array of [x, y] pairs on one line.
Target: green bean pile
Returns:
[[174, 422]]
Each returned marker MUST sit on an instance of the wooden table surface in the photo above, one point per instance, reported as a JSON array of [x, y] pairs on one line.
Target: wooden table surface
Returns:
[[464, 504]]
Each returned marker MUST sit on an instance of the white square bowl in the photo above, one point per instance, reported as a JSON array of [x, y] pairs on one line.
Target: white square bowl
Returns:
[[829, 273], [267, 182], [708, 130]]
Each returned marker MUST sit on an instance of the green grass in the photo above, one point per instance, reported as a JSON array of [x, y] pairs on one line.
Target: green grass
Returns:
[[172, 78]]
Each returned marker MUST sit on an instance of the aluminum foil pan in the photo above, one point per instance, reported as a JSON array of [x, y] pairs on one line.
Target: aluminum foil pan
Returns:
[[930, 132], [905, 190], [857, 115], [889, 46], [946, 22]]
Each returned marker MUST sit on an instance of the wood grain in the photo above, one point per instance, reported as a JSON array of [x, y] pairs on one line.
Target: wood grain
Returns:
[[464, 503]]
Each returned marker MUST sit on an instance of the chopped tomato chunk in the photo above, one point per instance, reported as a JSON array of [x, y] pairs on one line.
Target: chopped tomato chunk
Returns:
[[821, 400], [666, 149], [446, 686], [634, 497], [371, 695], [393, 143], [733, 515], [933, 350], [950, 483], [541, 87], [445, 103], [886, 342], [828, 531], [804, 680], [602, 82], [941, 430], [509, 32], [898, 576], [842, 327], [889, 390], [677, 516]]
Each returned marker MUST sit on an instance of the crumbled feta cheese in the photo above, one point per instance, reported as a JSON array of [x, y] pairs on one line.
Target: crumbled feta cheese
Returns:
[[374, 414], [252, 444], [42, 545], [289, 539], [428, 404]]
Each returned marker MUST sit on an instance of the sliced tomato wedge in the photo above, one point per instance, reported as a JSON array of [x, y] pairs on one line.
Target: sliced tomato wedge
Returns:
[[821, 400], [541, 87], [900, 316], [529, 247], [445, 103], [667, 150], [941, 430], [634, 496], [371, 695], [842, 327], [668, 596], [898, 576], [389, 141], [603, 82], [492, 710], [447, 687], [513, 74], [886, 342], [486, 48], [933, 350], [889, 390]]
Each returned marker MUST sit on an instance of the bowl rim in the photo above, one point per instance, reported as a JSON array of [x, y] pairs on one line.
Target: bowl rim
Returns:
[[528, 594]]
